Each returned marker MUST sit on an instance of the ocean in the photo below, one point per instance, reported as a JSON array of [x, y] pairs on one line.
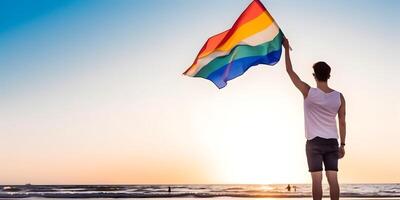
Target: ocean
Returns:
[[181, 192]]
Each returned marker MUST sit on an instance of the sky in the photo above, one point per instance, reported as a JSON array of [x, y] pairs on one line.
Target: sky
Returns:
[[92, 92]]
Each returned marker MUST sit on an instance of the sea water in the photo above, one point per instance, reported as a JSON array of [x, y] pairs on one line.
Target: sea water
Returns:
[[181, 192]]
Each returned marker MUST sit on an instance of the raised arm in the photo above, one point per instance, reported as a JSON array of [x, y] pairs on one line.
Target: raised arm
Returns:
[[302, 86], [342, 125]]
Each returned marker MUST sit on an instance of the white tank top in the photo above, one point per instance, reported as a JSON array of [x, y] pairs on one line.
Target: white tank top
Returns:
[[320, 110]]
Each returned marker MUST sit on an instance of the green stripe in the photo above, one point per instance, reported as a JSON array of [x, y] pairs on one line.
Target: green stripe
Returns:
[[242, 51]]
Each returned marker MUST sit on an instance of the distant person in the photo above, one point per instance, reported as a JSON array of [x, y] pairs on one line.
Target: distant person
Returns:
[[288, 187], [321, 105], [294, 188], [169, 189]]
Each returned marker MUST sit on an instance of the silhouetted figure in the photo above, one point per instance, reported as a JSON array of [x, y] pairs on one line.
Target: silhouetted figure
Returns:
[[294, 188], [169, 189], [288, 187]]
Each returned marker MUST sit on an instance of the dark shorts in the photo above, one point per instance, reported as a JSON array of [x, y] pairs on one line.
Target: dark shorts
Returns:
[[320, 150]]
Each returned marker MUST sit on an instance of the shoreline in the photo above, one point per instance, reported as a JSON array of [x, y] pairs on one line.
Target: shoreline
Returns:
[[271, 191]]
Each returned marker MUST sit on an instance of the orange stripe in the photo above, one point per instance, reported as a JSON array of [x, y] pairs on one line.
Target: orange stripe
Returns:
[[252, 27], [251, 12]]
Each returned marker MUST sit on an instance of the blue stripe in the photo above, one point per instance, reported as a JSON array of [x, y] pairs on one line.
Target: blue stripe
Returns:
[[240, 66]]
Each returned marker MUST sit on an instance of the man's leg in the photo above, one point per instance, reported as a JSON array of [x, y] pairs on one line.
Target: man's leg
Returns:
[[317, 185], [333, 184]]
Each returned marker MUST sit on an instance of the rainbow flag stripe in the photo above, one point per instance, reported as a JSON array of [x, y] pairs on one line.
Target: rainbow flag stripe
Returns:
[[254, 39]]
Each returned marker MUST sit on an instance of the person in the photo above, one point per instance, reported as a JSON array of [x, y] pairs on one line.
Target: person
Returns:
[[294, 188], [321, 106], [169, 189], [288, 187]]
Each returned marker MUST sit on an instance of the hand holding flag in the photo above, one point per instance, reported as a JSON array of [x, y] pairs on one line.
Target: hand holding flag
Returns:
[[286, 44]]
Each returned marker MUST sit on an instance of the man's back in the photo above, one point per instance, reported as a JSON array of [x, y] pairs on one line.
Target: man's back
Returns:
[[320, 110]]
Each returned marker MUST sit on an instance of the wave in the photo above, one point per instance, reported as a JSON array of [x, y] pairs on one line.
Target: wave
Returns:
[[192, 191], [188, 195]]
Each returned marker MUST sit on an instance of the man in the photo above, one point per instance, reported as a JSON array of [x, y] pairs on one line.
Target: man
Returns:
[[321, 105]]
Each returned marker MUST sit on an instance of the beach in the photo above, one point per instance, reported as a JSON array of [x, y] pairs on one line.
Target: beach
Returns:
[[218, 198], [234, 192]]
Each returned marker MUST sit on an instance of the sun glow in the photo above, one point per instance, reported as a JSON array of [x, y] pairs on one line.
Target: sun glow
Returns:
[[251, 146]]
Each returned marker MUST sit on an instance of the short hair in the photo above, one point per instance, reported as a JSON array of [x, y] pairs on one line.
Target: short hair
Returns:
[[322, 71]]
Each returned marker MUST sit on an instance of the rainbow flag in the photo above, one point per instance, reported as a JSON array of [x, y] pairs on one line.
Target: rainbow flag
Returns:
[[254, 39]]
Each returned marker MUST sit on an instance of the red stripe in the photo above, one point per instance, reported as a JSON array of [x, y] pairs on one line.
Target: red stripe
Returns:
[[251, 12]]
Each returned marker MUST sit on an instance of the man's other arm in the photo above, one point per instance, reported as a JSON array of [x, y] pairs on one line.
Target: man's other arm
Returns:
[[342, 125]]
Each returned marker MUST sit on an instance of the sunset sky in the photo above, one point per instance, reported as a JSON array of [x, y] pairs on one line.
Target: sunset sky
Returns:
[[92, 92]]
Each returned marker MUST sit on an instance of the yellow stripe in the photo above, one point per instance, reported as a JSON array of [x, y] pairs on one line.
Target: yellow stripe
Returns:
[[250, 28], [263, 36]]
